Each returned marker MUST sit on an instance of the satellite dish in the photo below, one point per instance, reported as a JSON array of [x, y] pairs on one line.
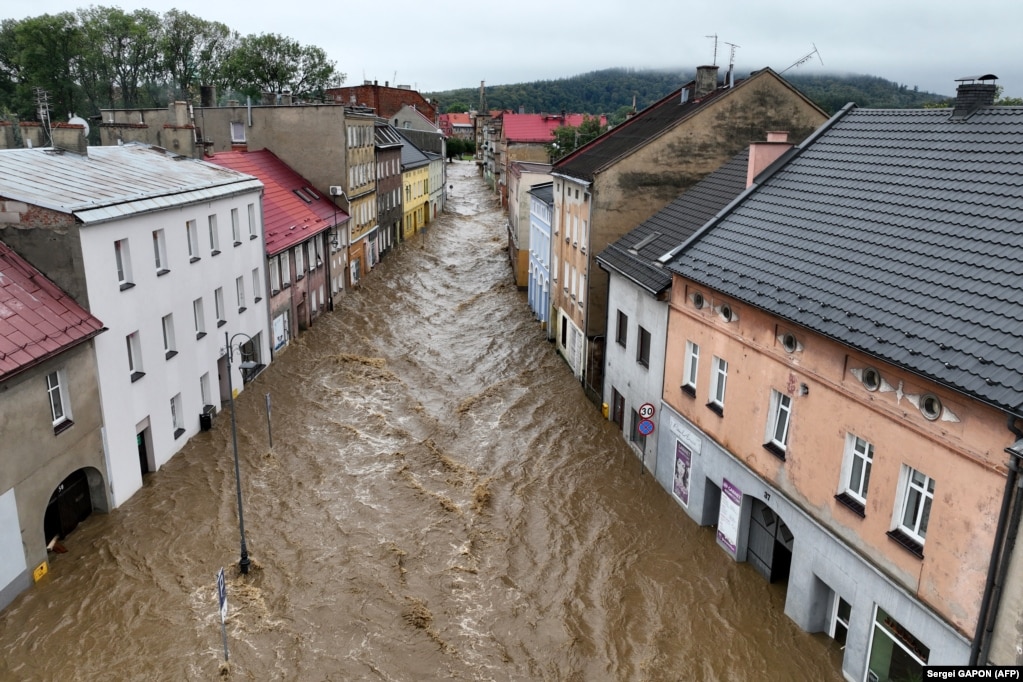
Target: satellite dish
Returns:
[[79, 121]]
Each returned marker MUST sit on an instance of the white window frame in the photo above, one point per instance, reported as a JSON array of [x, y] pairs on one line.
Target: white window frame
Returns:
[[236, 227], [299, 261], [214, 235], [56, 390], [780, 415], [239, 285], [160, 252], [718, 381], [218, 305], [916, 496], [204, 389], [177, 418], [257, 286], [192, 236], [237, 131], [169, 345], [856, 464], [252, 221], [122, 257], [285, 270], [692, 365], [199, 316], [134, 347]]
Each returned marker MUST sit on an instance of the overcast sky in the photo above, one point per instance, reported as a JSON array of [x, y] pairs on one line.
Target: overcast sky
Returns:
[[440, 45]]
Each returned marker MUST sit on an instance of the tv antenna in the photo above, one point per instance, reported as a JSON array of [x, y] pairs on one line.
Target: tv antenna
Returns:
[[43, 110], [715, 37], [803, 60], [731, 57]]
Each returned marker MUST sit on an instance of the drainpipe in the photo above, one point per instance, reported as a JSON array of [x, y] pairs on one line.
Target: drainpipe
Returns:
[[1001, 553]]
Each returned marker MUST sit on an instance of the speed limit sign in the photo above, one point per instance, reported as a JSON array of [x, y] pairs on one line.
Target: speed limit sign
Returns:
[[646, 411]]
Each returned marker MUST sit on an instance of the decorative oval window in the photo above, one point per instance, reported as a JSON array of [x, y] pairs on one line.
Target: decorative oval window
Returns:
[[930, 406], [698, 300], [871, 379], [726, 312], [789, 343]]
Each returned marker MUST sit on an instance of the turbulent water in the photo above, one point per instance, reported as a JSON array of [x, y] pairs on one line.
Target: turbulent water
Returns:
[[440, 502]]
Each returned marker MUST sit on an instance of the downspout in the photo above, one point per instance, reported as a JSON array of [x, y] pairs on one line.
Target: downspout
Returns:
[[1001, 553]]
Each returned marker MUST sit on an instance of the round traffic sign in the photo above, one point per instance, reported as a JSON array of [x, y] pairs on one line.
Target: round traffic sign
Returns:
[[646, 410], [646, 427]]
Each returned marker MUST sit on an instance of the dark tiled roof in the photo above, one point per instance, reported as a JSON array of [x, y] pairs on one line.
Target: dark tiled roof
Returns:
[[411, 155], [635, 254], [544, 192], [288, 219], [896, 232], [37, 319]]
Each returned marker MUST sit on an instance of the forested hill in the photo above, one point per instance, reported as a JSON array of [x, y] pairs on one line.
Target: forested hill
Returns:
[[612, 90]]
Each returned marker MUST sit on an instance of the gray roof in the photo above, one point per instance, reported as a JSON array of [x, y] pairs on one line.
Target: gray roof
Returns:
[[411, 155], [895, 232], [635, 255], [115, 181], [544, 192]]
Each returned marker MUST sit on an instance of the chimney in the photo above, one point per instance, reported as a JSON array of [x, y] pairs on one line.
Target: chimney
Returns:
[[179, 113], [32, 134], [207, 95], [971, 96], [286, 98], [6, 135], [763, 154], [706, 81], [69, 137]]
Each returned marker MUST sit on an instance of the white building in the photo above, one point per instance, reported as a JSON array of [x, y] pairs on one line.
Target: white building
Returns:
[[168, 252]]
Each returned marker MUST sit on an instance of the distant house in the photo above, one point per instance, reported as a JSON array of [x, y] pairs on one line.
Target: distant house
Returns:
[[168, 252], [389, 187], [53, 472], [301, 231], [843, 392], [456, 125], [522, 177], [386, 100], [541, 208], [607, 187], [415, 179]]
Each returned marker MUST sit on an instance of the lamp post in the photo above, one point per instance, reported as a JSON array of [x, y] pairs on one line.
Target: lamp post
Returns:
[[244, 563]]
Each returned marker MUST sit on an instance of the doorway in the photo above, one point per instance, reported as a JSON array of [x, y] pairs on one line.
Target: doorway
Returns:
[[69, 505], [770, 543], [144, 440]]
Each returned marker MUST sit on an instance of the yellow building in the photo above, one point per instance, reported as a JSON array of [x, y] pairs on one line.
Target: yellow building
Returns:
[[415, 181]]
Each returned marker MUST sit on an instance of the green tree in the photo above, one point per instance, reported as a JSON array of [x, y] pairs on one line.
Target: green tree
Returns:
[[42, 52], [121, 55], [457, 107], [273, 63], [194, 51]]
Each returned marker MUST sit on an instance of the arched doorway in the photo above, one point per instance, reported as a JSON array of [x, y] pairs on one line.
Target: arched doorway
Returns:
[[69, 505], [769, 548]]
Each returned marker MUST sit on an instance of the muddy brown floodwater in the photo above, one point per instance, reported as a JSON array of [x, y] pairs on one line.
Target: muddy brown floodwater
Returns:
[[441, 502]]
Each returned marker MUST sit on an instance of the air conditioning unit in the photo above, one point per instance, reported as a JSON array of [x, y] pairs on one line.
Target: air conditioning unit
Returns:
[[337, 191]]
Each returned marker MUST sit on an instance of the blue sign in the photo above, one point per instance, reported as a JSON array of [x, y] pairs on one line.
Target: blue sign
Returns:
[[645, 427]]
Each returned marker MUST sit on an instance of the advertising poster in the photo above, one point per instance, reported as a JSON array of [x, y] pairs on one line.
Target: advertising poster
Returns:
[[683, 463], [280, 333], [728, 516]]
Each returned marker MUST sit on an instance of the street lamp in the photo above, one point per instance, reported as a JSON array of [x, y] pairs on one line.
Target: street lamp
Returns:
[[244, 563]]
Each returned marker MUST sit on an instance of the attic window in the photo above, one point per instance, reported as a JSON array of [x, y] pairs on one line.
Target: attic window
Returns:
[[789, 342], [698, 300], [930, 406], [310, 192], [645, 241], [871, 379], [302, 195], [727, 314]]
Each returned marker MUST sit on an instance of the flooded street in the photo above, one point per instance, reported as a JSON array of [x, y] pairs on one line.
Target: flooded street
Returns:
[[441, 502]]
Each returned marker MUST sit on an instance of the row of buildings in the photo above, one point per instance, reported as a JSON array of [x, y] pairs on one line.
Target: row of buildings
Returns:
[[809, 329], [146, 280]]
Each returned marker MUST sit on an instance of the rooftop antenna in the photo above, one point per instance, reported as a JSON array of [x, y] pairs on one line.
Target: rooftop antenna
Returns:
[[729, 79], [43, 109], [803, 60], [715, 37]]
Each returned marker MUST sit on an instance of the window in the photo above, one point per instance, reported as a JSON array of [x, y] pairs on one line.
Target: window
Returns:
[[236, 227], [311, 244], [218, 303], [859, 455], [299, 262], [56, 388], [257, 286], [275, 275], [237, 131], [930, 406], [122, 256], [643, 352], [718, 379], [134, 357], [176, 417], [622, 330], [841, 611], [214, 236], [169, 348], [252, 221], [637, 436], [691, 367], [895, 653], [285, 270], [239, 285], [192, 233], [916, 493], [160, 253], [200, 318], [778, 423], [204, 389]]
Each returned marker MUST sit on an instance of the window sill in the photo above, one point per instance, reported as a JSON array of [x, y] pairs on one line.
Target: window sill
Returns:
[[170, 354], [161, 272], [237, 243], [776, 450], [194, 259], [286, 285], [299, 278], [907, 543], [716, 409], [242, 310], [199, 335], [62, 427], [215, 252], [135, 376], [851, 503], [127, 285], [688, 390], [221, 323], [178, 433], [251, 237], [257, 299]]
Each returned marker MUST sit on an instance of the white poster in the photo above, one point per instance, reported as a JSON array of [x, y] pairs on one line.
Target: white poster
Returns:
[[728, 515]]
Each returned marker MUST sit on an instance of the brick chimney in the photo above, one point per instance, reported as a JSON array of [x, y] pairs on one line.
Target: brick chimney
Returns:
[[69, 137], [706, 81], [763, 154], [972, 95], [6, 135]]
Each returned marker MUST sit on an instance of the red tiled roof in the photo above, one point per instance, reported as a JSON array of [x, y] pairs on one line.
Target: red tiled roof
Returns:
[[287, 219], [538, 127], [37, 319]]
